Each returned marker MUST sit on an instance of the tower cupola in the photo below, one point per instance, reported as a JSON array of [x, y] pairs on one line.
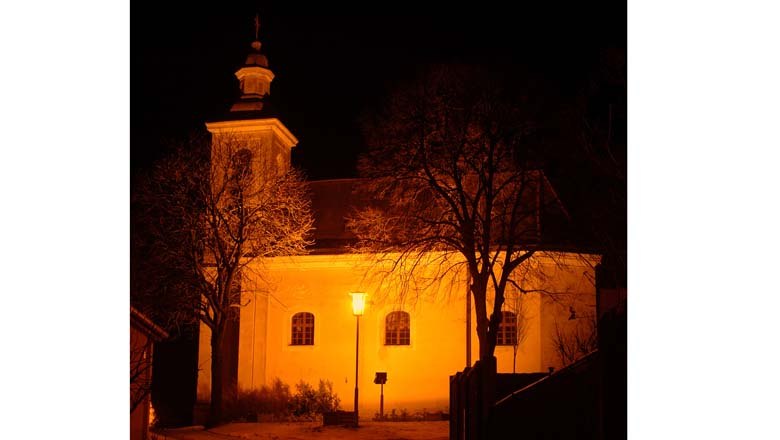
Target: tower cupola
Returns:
[[254, 78], [250, 125]]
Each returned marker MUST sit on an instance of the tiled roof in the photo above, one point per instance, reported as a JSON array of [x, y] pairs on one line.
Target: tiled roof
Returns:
[[333, 200]]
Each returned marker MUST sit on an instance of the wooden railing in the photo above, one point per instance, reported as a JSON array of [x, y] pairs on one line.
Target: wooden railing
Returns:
[[564, 405]]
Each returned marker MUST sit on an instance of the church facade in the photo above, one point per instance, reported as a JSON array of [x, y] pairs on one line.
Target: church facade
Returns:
[[296, 323]]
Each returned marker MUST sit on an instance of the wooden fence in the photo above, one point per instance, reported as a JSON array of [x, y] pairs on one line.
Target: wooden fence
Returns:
[[563, 405], [472, 394]]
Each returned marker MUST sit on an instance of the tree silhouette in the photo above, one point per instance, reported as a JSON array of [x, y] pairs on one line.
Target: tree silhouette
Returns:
[[209, 211], [452, 184]]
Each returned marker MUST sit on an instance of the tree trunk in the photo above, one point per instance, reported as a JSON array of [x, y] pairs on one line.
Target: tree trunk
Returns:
[[482, 334], [479, 290], [491, 336], [217, 386]]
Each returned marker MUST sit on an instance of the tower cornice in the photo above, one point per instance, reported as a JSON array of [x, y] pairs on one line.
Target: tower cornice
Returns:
[[252, 126]]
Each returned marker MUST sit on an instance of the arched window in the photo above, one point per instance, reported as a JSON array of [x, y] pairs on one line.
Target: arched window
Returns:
[[239, 179], [397, 328], [242, 163], [507, 330], [303, 329]]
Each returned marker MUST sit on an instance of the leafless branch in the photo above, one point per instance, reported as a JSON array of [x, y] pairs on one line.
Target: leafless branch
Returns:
[[211, 212], [452, 186]]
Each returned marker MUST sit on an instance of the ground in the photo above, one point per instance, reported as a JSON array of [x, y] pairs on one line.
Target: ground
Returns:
[[313, 431]]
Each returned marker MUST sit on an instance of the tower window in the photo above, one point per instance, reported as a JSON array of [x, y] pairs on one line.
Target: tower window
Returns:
[[507, 330], [303, 329], [397, 328], [242, 163]]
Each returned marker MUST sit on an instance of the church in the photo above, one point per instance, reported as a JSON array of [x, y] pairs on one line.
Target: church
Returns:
[[297, 324]]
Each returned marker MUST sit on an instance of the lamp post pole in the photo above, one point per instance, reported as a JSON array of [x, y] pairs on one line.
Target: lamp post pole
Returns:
[[357, 344], [358, 307]]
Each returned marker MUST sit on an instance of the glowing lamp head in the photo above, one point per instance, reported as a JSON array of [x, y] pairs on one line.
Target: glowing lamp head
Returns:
[[358, 303]]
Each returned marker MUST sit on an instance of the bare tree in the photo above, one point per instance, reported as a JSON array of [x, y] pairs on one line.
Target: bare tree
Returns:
[[140, 370], [210, 211], [576, 339], [143, 333], [451, 186], [520, 310]]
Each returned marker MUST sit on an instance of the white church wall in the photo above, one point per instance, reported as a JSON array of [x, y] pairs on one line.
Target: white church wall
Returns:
[[418, 373]]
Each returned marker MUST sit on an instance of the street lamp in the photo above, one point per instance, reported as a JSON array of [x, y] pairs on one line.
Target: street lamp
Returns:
[[358, 307]]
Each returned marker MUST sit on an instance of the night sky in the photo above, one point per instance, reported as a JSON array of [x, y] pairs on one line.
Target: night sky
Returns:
[[331, 69]]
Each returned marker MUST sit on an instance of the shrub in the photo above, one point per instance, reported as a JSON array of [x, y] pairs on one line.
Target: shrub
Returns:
[[405, 416], [310, 402], [278, 404], [327, 400], [276, 399], [304, 401]]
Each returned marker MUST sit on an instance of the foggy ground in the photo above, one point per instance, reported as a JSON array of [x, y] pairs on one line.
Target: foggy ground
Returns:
[[313, 431]]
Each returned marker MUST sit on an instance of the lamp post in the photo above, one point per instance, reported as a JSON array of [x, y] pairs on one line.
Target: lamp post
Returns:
[[358, 307]]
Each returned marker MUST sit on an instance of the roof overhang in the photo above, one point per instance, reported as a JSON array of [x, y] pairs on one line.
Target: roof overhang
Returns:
[[141, 322], [251, 126]]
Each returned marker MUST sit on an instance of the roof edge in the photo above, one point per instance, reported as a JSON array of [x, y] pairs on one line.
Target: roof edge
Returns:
[[253, 125], [146, 324]]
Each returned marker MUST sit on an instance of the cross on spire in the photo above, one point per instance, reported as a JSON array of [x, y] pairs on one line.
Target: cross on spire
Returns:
[[257, 26]]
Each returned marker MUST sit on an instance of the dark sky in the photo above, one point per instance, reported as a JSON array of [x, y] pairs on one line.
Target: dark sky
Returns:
[[330, 69]]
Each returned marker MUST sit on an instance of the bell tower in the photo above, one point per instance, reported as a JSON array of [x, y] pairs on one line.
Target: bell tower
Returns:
[[251, 123], [250, 131]]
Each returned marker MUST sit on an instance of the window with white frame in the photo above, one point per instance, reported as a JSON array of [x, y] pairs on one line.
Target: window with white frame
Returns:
[[397, 327], [302, 329], [507, 330]]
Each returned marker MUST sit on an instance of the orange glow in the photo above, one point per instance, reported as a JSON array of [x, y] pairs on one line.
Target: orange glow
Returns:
[[417, 373], [358, 303]]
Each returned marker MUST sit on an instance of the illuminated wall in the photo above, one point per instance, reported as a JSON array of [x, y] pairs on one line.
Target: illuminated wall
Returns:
[[418, 373], [268, 139]]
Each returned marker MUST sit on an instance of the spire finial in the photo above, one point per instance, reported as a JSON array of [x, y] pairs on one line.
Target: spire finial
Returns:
[[256, 43]]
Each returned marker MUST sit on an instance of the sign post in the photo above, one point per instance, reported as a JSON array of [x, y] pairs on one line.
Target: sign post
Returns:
[[381, 379]]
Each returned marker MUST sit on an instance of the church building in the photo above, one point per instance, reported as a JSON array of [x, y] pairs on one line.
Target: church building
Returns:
[[297, 323]]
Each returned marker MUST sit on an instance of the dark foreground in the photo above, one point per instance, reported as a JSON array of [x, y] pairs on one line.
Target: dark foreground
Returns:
[[312, 431]]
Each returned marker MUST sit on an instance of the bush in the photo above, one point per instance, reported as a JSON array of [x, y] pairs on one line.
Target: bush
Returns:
[[327, 400], [275, 403], [405, 416], [274, 400], [310, 402]]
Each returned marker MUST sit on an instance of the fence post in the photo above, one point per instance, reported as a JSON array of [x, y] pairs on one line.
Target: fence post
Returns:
[[454, 409], [474, 402], [472, 397], [463, 403], [487, 395]]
